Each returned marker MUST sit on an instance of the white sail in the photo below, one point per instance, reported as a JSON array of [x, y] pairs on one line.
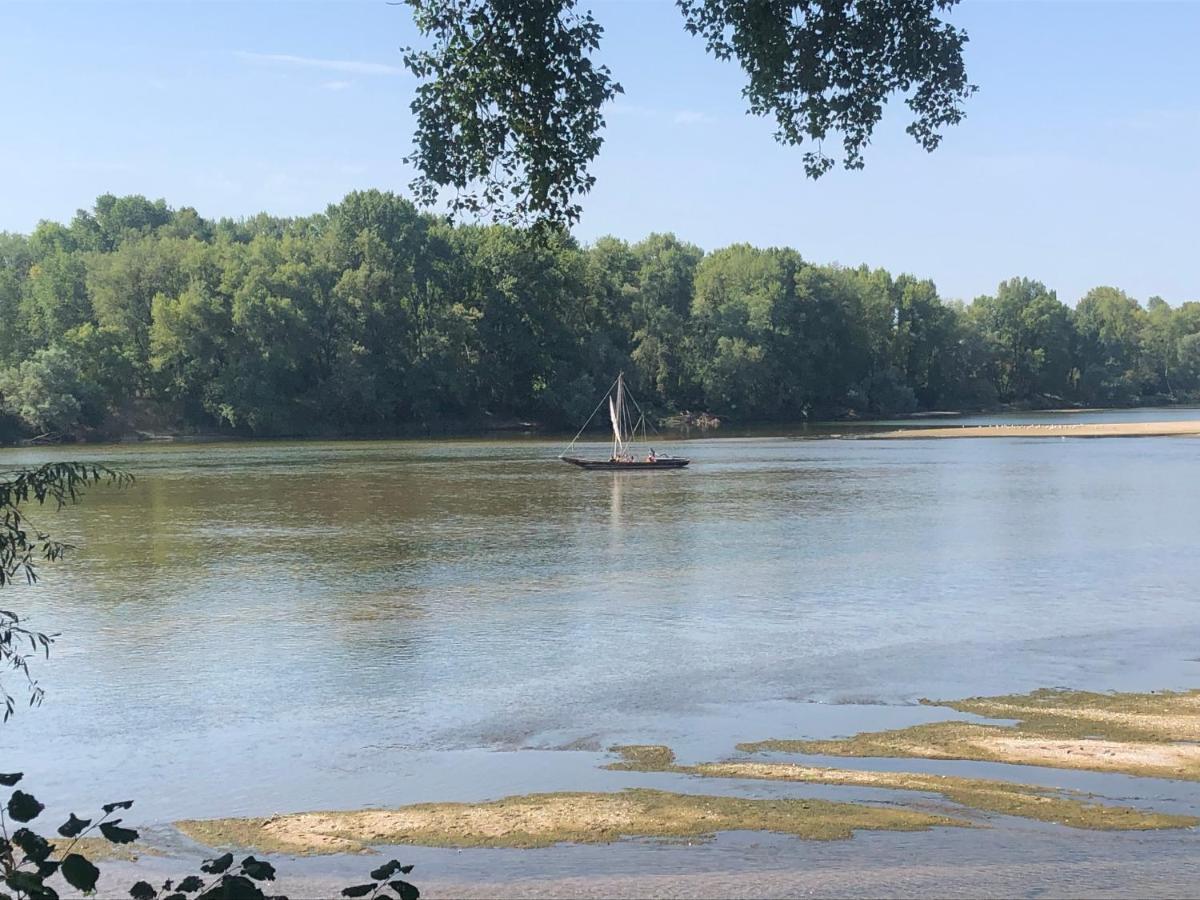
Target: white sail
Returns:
[[616, 423]]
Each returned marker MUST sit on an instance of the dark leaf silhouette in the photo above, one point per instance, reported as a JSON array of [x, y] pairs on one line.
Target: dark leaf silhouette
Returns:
[[143, 890], [10, 779], [258, 869], [218, 865], [24, 807], [387, 870], [73, 827], [116, 834], [191, 884], [233, 887], [110, 807], [358, 890], [36, 847], [405, 890], [31, 885], [79, 873]]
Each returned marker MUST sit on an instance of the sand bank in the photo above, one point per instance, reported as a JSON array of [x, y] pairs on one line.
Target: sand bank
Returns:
[[1151, 734], [1074, 430], [1004, 797], [542, 820]]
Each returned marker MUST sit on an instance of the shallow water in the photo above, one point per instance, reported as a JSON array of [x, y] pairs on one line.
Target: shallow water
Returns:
[[278, 626]]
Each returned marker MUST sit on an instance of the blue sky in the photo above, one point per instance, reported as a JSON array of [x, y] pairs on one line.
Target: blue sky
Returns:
[[1078, 164]]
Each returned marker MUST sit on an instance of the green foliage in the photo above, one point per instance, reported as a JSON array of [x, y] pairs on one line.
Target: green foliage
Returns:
[[509, 103], [827, 69], [508, 109], [374, 318], [48, 392]]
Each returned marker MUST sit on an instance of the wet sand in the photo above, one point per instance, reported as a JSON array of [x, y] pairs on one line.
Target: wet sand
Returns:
[[1076, 430]]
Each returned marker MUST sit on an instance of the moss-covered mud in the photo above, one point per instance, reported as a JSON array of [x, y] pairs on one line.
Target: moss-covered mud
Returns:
[[1151, 734], [1007, 798], [100, 849], [542, 820]]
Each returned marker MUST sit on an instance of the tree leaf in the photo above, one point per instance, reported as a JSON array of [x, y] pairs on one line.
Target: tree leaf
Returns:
[[358, 890], [48, 867], [11, 779], [36, 847], [73, 827], [110, 807], [79, 873], [405, 890], [387, 870], [193, 883], [218, 865], [116, 834], [238, 887], [258, 869], [143, 890], [31, 885], [24, 807]]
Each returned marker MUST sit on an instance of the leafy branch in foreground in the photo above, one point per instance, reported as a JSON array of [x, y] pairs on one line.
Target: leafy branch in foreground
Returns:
[[23, 546], [219, 879], [508, 109]]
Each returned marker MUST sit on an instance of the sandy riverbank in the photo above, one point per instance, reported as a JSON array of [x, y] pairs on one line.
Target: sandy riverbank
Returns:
[[1076, 430]]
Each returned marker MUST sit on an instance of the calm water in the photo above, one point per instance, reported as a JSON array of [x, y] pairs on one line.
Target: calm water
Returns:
[[263, 627]]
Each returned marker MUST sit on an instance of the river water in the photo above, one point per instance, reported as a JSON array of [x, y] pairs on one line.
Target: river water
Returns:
[[264, 627]]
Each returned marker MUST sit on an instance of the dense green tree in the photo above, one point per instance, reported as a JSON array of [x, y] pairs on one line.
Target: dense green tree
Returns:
[[1109, 324], [374, 317], [1030, 331]]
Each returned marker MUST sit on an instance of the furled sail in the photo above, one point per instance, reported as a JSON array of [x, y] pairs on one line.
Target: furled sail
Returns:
[[616, 423]]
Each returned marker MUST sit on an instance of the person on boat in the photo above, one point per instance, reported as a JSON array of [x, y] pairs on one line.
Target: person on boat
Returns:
[[650, 456]]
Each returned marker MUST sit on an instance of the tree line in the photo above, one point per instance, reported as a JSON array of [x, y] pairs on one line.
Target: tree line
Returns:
[[376, 318]]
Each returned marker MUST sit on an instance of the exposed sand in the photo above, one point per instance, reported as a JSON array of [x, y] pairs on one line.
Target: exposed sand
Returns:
[[1158, 716], [542, 820], [1008, 798], [1135, 734], [1078, 430]]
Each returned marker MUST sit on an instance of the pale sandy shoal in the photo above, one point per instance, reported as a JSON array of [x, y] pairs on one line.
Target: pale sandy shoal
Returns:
[[1078, 430]]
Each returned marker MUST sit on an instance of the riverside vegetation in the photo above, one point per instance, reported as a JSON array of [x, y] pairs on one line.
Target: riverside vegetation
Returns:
[[375, 318]]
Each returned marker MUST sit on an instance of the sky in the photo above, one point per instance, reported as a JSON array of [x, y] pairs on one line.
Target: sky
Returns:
[[1078, 163]]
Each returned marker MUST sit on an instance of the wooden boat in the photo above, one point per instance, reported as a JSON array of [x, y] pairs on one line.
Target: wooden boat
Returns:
[[643, 465], [624, 456]]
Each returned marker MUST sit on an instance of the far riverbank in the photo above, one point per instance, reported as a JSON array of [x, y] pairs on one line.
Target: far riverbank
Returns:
[[1048, 430]]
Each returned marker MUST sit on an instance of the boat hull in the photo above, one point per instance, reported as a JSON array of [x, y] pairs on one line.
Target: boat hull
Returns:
[[672, 462]]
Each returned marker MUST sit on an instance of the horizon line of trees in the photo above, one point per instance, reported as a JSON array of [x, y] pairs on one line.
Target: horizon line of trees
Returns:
[[373, 317]]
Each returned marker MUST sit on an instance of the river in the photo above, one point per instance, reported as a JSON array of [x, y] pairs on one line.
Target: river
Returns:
[[266, 627]]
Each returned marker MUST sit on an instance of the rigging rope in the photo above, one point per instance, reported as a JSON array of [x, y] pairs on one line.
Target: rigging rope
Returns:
[[567, 449]]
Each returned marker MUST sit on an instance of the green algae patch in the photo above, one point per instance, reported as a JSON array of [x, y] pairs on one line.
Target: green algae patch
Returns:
[[1152, 735], [99, 849], [643, 758], [1006, 798], [542, 820], [1161, 716]]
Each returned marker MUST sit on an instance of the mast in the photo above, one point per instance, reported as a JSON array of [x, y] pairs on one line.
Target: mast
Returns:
[[616, 413]]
